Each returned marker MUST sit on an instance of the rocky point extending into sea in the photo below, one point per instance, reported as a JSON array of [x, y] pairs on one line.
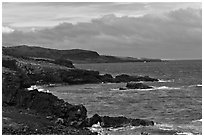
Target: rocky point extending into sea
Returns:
[[33, 112]]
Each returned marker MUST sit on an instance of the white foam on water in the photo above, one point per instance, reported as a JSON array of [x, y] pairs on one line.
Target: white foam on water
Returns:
[[124, 128], [162, 81], [150, 89], [197, 85], [184, 133], [167, 88], [33, 87], [97, 128], [65, 93], [116, 129], [199, 120], [117, 89], [165, 126]]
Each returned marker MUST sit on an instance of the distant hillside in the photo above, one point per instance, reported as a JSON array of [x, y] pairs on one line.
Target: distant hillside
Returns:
[[74, 55]]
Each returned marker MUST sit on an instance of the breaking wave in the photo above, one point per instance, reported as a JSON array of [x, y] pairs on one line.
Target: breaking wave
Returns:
[[167, 88], [162, 81], [197, 85], [150, 89], [39, 88]]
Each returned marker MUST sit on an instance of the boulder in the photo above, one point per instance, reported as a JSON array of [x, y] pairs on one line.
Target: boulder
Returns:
[[147, 78], [93, 120], [122, 78], [134, 85], [115, 121], [106, 78], [106, 121], [137, 122]]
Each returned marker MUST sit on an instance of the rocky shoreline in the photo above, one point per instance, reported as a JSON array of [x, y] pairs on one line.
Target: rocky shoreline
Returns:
[[64, 118]]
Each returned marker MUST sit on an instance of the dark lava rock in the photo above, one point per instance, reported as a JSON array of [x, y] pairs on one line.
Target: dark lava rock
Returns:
[[121, 121], [13, 82], [15, 94], [79, 76], [134, 85], [122, 78], [115, 121], [106, 78], [137, 122], [49, 104], [93, 120]]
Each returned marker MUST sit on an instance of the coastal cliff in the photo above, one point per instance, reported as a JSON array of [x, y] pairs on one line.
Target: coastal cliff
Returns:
[[74, 55]]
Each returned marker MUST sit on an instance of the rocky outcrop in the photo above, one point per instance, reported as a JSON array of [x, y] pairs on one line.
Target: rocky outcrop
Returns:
[[46, 103], [106, 78], [106, 121], [135, 85], [79, 76], [10, 85], [12, 82], [40, 72], [128, 78], [16, 94], [58, 61]]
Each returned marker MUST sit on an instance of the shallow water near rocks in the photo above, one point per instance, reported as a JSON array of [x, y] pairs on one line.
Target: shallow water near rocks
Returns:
[[174, 103]]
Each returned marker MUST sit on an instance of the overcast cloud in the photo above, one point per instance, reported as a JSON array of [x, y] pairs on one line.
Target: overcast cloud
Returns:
[[156, 30]]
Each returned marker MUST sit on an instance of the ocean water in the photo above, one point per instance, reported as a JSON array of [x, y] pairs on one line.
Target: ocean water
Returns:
[[174, 104]]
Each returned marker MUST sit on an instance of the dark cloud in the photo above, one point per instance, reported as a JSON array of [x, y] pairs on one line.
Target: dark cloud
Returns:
[[176, 34]]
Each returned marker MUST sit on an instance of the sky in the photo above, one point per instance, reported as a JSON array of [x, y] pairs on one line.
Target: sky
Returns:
[[154, 30]]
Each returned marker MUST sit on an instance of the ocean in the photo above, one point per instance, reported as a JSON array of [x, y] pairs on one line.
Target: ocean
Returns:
[[174, 104]]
